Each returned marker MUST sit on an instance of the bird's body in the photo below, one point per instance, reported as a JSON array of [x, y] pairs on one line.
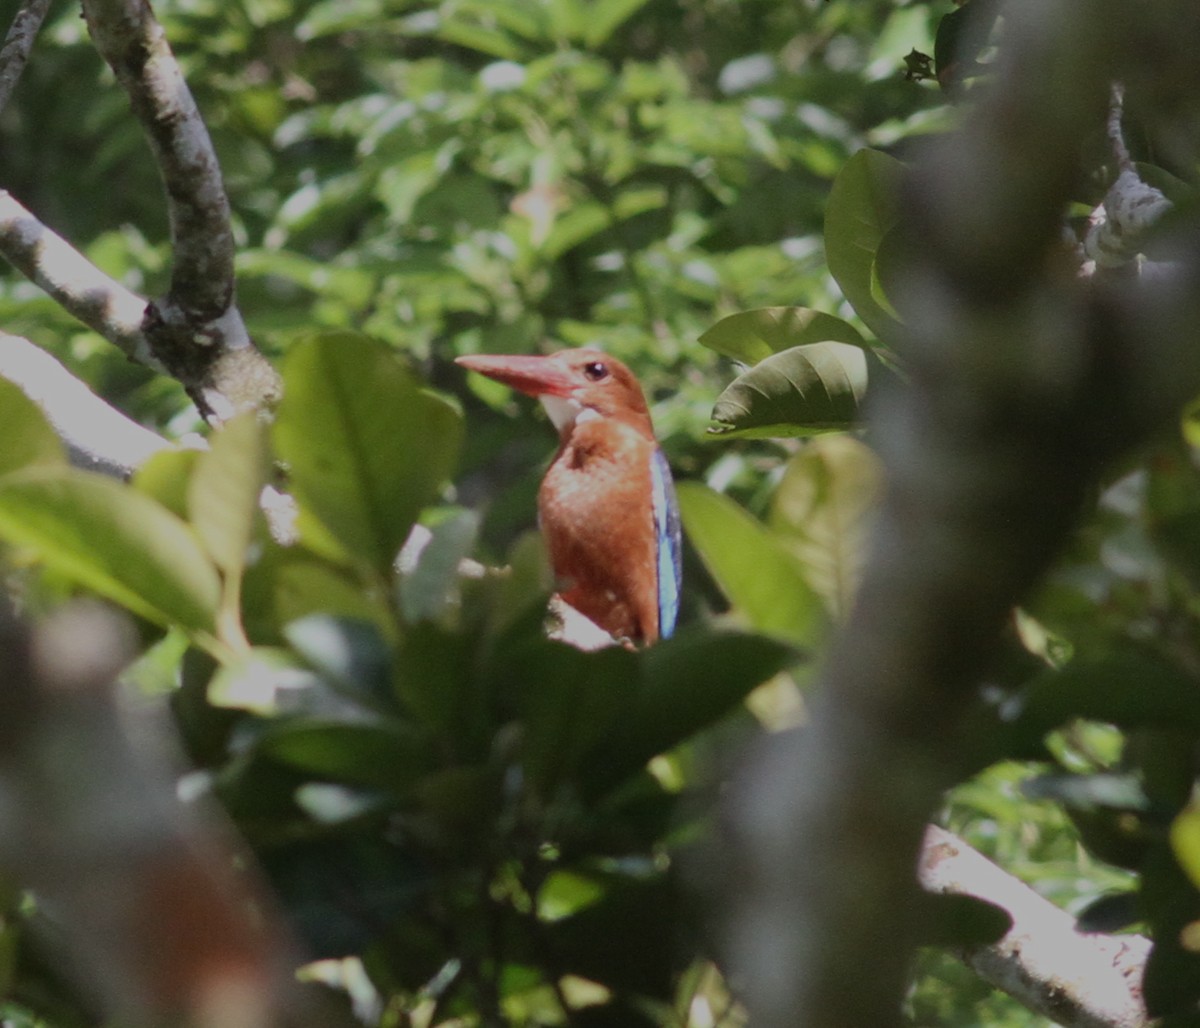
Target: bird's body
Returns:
[[607, 505]]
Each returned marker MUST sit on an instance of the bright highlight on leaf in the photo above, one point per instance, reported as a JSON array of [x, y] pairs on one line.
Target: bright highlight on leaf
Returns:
[[863, 207], [27, 436], [1185, 841], [763, 582], [753, 336], [808, 389], [114, 540], [366, 446]]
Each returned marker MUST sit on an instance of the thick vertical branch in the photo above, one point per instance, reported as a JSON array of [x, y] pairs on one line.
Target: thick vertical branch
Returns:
[[196, 331], [1024, 381]]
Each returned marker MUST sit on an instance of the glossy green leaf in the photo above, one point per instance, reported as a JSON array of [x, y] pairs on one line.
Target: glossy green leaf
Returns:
[[685, 684], [366, 446], [114, 540], [763, 582], [808, 389], [821, 512], [753, 336], [863, 206], [28, 438], [224, 488]]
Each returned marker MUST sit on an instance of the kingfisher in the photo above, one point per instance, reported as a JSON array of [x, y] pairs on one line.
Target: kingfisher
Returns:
[[607, 505]]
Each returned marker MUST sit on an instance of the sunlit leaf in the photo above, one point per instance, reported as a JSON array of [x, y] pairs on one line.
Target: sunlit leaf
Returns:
[[27, 436], [224, 489], [821, 513], [286, 584], [863, 206], [366, 446], [753, 336], [606, 16], [257, 680], [166, 476], [762, 580], [1185, 841], [114, 540], [430, 587], [802, 391]]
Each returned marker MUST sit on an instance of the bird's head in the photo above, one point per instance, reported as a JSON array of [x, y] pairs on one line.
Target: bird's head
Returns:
[[574, 386]]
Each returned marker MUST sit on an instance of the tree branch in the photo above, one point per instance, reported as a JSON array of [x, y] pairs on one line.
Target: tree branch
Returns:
[[1077, 979], [196, 331], [18, 43], [1023, 383], [98, 437]]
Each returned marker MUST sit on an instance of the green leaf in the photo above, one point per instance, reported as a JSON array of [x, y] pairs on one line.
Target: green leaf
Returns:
[[165, 476], [384, 755], [863, 206], [288, 583], [821, 510], [761, 579], [113, 540], [752, 336], [957, 920], [350, 652], [1106, 791], [224, 489], [258, 680], [1129, 689], [807, 389], [28, 438], [366, 447], [686, 684], [570, 702], [605, 17], [430, 587], [1185, 841]]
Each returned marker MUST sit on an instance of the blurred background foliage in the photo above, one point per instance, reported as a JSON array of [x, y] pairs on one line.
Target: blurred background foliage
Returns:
[[486, 175]]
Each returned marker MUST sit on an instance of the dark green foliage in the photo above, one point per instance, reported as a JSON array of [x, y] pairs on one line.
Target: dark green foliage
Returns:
[[484, 816]]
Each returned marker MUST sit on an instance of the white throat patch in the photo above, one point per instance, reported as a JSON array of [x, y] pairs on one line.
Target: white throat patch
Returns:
[[565, 413]]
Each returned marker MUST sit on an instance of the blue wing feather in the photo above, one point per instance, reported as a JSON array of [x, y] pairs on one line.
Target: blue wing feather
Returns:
[[668, 542]]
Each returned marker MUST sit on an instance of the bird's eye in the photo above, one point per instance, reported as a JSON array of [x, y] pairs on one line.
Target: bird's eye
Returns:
[[595, 371]]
